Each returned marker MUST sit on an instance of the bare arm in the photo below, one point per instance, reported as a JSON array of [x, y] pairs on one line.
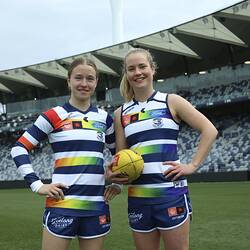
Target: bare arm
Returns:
[[183, 110], [119, 132]]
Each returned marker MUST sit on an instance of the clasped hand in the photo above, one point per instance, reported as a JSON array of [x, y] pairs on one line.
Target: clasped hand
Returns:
[[53, 190]]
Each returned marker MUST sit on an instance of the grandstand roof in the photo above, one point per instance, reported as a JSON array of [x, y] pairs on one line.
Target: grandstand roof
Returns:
[[216, 40]]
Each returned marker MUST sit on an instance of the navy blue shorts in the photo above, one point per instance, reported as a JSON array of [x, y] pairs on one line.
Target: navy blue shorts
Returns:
[[71, 226], [163, 216]]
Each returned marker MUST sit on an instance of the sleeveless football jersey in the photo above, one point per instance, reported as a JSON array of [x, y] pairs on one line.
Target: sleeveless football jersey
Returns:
[[77, 139], [151, 131]]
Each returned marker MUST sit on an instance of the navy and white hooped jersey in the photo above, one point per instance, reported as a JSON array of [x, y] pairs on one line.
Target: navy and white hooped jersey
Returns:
[[77, 139], [151, 131]]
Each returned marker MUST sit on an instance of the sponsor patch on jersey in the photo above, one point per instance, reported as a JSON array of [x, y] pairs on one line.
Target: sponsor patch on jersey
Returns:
[[125, 120], [157, 113], [99, 126], [134, 118], [77, 124], [67, 126]]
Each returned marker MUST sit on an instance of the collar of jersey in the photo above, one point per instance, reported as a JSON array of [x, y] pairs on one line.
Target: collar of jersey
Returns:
[[149, 99], [69, 108]]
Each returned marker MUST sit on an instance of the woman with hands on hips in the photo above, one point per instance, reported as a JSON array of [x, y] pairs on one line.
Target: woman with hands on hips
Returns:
[[148, 122]]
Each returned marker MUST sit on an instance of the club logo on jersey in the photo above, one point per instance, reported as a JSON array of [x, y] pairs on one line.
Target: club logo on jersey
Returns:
[[157, 122], [100, 136]]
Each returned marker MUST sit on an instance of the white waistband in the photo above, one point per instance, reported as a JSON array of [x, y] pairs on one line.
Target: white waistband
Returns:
[[176, 184]]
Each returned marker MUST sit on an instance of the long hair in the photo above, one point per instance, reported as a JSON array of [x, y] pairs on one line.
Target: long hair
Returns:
[[126, 90]]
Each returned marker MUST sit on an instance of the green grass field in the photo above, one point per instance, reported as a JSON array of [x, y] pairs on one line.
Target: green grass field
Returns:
[[221, 219]]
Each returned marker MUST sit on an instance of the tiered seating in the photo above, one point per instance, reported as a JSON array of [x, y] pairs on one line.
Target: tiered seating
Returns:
[[16, 122], [41, 159], [215, 94], [231, 152]]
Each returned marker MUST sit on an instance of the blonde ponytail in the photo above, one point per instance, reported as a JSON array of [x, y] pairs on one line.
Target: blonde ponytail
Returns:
[[125, 89]]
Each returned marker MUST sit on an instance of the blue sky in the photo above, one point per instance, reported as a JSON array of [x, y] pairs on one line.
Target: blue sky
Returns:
[[38, 31]]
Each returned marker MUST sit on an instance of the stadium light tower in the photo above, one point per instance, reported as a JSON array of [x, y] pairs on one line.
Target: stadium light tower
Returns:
[[117, 22]]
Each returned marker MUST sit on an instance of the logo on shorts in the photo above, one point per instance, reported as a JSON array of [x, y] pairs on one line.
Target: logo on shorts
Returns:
[[176, 212], [104, 219], [133, 217], [61, 222], [172, 211]]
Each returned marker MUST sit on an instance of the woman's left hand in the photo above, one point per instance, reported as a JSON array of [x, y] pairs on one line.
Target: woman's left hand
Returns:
[[111, 191], [178, 169]]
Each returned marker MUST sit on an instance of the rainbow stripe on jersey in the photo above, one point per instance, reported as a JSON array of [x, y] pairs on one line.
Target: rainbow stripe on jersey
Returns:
[[78, 161], [151, 149], [151, 131], [83, 124], [77, 139], [143, 115]]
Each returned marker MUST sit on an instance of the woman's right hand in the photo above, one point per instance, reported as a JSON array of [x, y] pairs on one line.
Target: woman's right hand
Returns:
[[115, 177], [53, 190]]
